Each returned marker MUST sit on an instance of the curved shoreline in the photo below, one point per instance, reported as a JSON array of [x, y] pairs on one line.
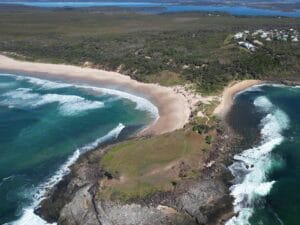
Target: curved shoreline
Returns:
[[255, 167], [229, 93], [174, 109]]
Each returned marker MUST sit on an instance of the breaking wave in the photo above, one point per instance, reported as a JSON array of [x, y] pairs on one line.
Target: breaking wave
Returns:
[[28, 215], [252, 166], [68, 104], [142, 104], [43, 84]]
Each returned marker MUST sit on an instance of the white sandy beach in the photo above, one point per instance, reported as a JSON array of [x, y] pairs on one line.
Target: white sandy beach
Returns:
[[174, 108], [229, 92], [174, 104]]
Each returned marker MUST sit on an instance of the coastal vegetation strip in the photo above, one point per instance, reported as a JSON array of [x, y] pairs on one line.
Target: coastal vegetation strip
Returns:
[[169, 49]]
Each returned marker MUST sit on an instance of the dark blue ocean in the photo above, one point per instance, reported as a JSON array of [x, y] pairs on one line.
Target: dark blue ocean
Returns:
[[267, 171], [45, 126]]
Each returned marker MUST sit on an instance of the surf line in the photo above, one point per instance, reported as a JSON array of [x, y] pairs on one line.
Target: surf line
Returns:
[[28, 215], [253, 164]]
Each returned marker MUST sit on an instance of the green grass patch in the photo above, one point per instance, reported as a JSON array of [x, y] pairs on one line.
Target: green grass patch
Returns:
[[146, 166], [136, 158]]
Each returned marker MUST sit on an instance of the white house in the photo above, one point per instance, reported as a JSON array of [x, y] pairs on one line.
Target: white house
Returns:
[[238, 35], [247, 45]]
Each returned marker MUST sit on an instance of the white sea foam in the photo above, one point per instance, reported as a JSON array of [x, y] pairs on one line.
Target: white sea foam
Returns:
[[40, 83], [114, 134], [277, 85], [28, 216], [21, 94], [263, 103], [252, 166], [142, 104], [44, 84], [68, 104], [258, 88], [254, 88], [242, 218]]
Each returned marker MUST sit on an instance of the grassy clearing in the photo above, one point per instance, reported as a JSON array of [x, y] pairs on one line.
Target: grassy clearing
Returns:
[[166, 78], [146, 166]]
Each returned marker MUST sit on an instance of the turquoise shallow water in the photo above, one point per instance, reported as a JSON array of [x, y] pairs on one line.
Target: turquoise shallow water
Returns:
[[267, 171], [45, 125]]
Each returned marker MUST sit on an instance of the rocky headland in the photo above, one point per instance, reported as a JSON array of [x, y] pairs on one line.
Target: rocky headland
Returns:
[[202, 200]]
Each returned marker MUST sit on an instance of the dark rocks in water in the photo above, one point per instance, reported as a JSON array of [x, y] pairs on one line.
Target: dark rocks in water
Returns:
[[83, 173], [51, 206], [291, 82]]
